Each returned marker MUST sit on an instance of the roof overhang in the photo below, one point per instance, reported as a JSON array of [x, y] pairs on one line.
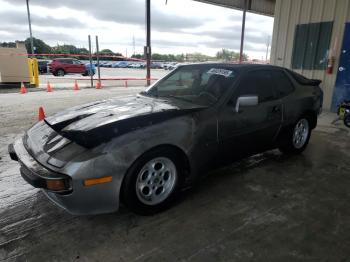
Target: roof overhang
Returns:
[[262, 7]]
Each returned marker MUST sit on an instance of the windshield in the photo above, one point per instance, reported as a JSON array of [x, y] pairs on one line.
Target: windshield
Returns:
[[198, 84]]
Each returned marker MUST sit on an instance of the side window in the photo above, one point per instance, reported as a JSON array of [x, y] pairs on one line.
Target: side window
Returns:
[[67, 61], [257, 83], [76, 62], [283, 85]]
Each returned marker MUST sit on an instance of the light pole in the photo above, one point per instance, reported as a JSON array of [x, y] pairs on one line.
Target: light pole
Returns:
[[267, 47], [148, 41], [30, 29], [243, 30]]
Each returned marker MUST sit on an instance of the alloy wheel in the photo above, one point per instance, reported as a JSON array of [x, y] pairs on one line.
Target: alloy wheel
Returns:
[[156, 181], [301, 133]]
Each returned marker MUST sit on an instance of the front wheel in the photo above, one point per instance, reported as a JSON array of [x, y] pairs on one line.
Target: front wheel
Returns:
[[347, 120], [297, 137], [153, 182], [88, 73]]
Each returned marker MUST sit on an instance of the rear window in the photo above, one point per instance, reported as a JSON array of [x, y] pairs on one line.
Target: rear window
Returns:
[[283, 85]]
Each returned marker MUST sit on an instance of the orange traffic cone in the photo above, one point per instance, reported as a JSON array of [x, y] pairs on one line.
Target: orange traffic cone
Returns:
[[98, 85], [49, 87], [76, 86], [41, 115], [23, 89]]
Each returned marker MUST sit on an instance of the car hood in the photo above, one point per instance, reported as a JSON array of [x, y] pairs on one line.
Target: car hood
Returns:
[[92, 124]]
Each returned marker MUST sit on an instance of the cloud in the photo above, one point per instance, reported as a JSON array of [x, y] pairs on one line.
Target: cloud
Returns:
[[15, 18], [173, 27], [123, 12]]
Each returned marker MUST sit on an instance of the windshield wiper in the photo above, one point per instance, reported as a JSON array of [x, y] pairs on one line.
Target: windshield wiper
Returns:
[[178, 97], [144, 93]]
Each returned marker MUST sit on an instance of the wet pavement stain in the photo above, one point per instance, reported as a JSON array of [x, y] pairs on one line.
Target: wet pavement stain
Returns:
[[269, 207]]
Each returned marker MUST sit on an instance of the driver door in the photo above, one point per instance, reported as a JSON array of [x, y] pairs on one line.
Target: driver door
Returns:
[[253, 128]]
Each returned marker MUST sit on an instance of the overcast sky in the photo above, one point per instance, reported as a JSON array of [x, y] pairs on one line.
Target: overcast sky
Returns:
[[181, 26]]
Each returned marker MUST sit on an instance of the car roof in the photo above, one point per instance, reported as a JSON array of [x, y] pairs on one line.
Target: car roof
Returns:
[[238, 67]]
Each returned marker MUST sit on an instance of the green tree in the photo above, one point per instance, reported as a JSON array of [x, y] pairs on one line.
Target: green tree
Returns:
[[138, 56], [228, 55], [8, 44], [65, 49], [108, 52], [40, 47]]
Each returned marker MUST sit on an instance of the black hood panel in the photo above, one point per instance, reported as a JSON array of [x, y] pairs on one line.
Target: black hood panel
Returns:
[[92, 124]]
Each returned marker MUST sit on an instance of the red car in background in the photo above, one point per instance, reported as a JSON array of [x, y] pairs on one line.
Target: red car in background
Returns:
[[63, 66]]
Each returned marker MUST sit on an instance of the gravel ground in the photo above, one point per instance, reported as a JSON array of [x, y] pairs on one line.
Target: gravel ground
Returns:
[[269, 207]]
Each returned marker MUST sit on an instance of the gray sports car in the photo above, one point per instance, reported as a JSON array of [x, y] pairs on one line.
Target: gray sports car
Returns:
[[143, 150]]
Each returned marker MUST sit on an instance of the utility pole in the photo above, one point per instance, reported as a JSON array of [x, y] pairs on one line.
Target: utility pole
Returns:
[[267, 46], [243, 30], [98, 59], [147, 50], [30, 29], [133, 44], [90, 58]]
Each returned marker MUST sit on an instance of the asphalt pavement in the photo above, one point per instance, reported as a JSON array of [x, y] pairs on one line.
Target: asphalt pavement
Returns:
[[269, 207]]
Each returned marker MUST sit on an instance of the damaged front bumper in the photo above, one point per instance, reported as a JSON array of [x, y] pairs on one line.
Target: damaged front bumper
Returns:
[[76, 198], [37, 175]]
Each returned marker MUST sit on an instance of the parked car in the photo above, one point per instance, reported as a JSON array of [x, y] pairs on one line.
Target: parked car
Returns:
[[109, 64], [170, 66], [89, 70], [63, 66], [121, 64], [142, 150], [156, 65], [104, 63], [43, 66], [136, 65]]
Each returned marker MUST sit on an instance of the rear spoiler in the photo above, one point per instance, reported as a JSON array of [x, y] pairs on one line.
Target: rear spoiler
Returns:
[[314, 82], [303, 80]]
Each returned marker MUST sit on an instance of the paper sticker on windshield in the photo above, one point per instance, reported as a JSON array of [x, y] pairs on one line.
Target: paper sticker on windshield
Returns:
[[219, 71]]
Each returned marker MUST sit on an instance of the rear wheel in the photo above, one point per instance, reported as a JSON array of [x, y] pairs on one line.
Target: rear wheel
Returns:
[[297, 137], [153, 182], [60, 72]]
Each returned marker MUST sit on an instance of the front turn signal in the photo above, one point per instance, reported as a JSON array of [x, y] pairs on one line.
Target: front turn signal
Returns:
[[56, 185], [96, 181]]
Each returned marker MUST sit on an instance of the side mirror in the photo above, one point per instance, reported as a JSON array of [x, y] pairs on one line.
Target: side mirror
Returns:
[[251, 100]]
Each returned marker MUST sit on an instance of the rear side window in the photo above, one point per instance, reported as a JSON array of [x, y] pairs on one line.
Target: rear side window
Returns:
[[66, 61], [257, 83], [283, 85]]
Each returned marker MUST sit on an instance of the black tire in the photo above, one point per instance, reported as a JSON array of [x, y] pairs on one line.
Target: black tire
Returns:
[[60, 72], [87, 73], [288, 146], [347, 120], [129, 194]]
